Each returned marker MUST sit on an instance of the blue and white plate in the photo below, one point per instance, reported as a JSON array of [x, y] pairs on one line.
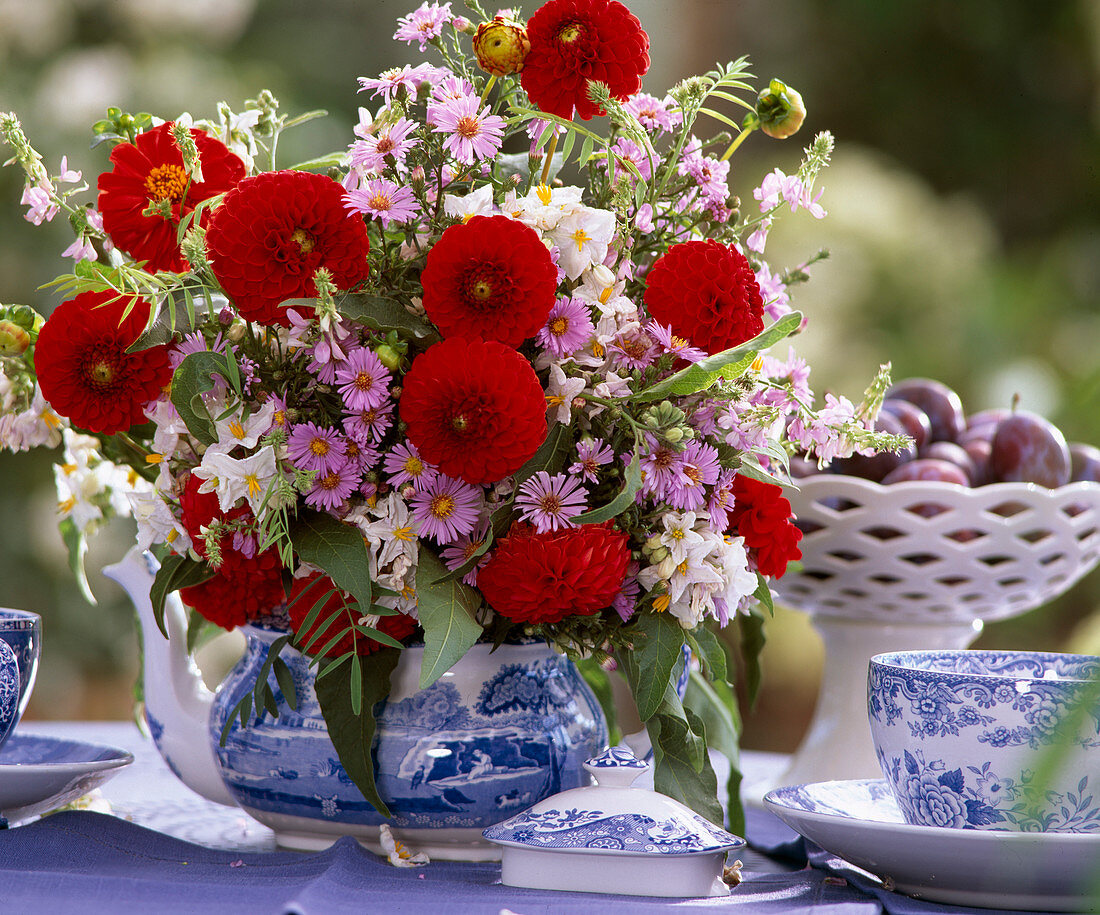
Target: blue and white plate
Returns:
[[860, 822], [38, 773]]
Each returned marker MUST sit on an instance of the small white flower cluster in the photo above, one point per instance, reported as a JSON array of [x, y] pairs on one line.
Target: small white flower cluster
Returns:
[[91, 489], [31, 426]]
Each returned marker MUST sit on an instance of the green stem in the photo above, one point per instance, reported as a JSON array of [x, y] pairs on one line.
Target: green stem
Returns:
[[488, 88], [737, 142], [551, 148]]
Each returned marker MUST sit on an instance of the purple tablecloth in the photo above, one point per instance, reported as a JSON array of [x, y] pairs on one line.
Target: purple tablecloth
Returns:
[[193, 856]]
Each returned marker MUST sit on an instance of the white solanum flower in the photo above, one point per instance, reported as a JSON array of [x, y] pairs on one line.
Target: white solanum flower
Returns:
[[235, 478], [582, 237], [236, 430], [478, 203], [559, 396], [156, 523]]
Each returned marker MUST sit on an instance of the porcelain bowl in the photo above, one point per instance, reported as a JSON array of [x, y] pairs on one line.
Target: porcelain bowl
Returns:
[[931, 553], [1001, 740]]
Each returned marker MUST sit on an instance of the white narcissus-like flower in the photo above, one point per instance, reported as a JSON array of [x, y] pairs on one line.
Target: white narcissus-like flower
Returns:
[[542, 207], [477, 203], [559, 396], [156, 523], [236, 478], [247, 431], [582, 236]]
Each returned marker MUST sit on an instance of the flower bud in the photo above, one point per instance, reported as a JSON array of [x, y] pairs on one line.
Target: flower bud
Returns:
[[780, 110], [666, 567], [388, 356], [674, 435], [235, 333], [501, 46], [14, 340]]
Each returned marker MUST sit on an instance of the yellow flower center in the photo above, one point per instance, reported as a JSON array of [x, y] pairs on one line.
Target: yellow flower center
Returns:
[[364, 381], [413, 466], [559, 326], [442, 506], [379, 202], [580, 237], [279, 417], [303, 240], [460, 423], [330, 480], [254, 487], [67, 506], [677, 534], [403, 533], [570, 33], [661, 603], [166, 182], [544, 193], [236, 429], [385, 144], [467, 127], [319, 447]]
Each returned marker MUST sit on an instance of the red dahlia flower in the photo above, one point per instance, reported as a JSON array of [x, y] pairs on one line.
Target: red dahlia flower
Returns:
[[707, 292], [574, 41], [274, 231], [332, 619], [543, 578], [474, 408], [763, 517], [243, 588], [491, 278], [149, 170], [83, 367]]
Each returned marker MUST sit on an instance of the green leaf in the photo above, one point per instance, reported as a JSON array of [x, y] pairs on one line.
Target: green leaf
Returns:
[[657, 656], [728, 364], [191, 380], [321, 163], [352, 734], [285, 679], [446, 610], [716, 706], [77, 545], [674, 772], [550, 455], [166, 324], [752, 643], [337, 548], [764, 594], [710, 651], [381, 313], [175, 572], [631, 484]]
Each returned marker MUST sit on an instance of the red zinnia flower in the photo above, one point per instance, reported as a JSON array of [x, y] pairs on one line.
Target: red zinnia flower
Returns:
[[762, 516], [474, 408], [242, 588], [272, 233], [151, 169], [708, 293], [332, 618], [574, 41], [83, 367], [492, 278], [543, 578]]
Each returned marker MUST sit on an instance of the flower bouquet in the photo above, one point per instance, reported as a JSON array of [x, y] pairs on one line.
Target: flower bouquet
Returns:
[[496, 370]]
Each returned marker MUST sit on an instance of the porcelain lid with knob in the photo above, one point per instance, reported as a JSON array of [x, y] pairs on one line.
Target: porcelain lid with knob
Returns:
[[611, 817]]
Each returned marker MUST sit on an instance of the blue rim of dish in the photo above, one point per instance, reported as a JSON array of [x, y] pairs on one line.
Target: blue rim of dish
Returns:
[[92, 755]]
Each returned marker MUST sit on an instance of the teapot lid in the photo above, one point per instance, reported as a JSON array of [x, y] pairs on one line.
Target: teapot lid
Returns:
[[612, 817]]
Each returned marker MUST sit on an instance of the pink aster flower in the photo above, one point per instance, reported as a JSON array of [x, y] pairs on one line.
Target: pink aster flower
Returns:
[[463, 549], [635, 349], [678, 346], [642, 159], [370, 152], [423, 24], [446, 509], [592, 453], [361, 457], [474, 134], [721, 500], [390, 81], [385, 201], [550, 502], [370, 425], [450, 89], [662, 469], [404, 465], [314, 447], [700, 469], [363, 380], [568, 327], [653, 113], [333, 487], [626, 601]]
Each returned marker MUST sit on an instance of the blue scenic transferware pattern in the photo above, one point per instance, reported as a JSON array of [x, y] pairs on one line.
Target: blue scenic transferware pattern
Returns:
[[443, 758], [22, 629], [1000, 701], [9, 689]]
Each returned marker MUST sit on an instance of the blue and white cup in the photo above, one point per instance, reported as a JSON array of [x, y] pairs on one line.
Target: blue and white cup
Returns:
[[21, 634], [994, 740], [9, 691]]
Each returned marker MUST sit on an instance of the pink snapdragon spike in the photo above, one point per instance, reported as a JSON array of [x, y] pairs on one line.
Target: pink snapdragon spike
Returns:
[[550, 502], [446, 509], [41, 202], [778, 187], [81, 250]]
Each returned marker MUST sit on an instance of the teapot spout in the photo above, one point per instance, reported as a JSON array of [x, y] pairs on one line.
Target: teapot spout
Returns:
[[177, 702]]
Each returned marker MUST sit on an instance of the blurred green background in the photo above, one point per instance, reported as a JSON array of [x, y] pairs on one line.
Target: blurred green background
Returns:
[[964, 226]]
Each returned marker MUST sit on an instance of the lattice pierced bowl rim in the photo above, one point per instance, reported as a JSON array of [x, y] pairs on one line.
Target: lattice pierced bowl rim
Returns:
[[985, 553]]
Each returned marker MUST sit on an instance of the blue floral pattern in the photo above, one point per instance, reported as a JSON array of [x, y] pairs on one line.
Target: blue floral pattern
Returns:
[[973, 723]]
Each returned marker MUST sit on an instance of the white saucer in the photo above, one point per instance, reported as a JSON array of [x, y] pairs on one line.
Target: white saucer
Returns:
[[860, 822], [40, 773]]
